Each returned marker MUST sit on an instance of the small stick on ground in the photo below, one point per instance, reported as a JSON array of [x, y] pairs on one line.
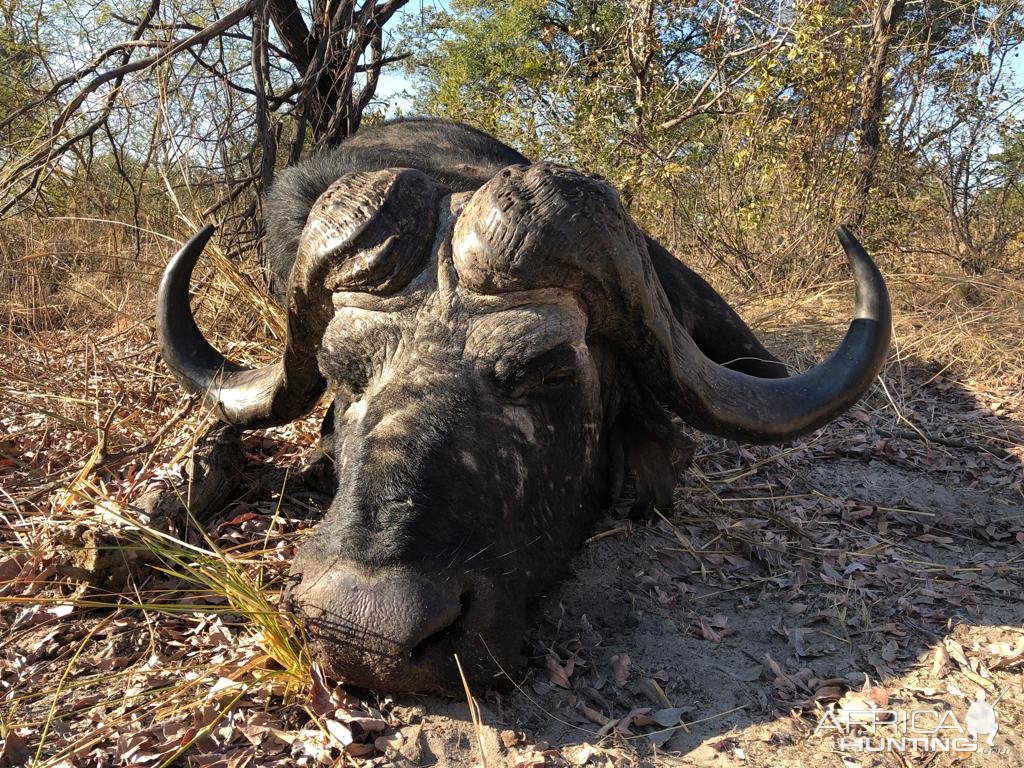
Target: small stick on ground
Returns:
[[949, 442]]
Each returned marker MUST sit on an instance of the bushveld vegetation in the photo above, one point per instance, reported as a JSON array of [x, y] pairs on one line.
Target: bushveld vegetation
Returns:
[[739, 134]]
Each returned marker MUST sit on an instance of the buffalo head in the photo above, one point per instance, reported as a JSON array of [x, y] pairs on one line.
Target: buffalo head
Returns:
[[498, 358]]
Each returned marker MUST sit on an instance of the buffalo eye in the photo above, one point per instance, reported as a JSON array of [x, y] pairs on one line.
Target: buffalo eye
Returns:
[[546, 374], [357, 381], [347, 369], [558, 378]]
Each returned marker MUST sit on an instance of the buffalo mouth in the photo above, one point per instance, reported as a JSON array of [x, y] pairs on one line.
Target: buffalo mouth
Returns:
[[400, 631]]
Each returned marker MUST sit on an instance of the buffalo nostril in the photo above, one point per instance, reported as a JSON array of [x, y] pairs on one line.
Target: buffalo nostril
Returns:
[[442, 636]]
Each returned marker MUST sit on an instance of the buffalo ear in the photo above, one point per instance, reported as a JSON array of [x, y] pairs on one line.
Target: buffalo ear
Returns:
[[715, 326], [650, 447]]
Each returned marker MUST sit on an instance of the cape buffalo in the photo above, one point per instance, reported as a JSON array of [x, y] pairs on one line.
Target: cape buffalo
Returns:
[[504, 346]]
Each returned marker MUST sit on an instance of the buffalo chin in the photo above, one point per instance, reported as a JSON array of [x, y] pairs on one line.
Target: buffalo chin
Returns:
[[431, 669]]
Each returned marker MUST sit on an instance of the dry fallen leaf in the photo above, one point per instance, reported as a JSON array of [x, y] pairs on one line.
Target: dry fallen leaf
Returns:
[[890, 651], [1004, 655], [859, 706], [941, 664], [620, 667], [361, 724], [325, 699], [557, 673], [826, 693], [393, 741], [580, 755], [593, 715], [510, 738], [708, 633], [637, 717], [669, 716], [531, 759], [360, 749], [956, 652], [782, 680], [14, 750]]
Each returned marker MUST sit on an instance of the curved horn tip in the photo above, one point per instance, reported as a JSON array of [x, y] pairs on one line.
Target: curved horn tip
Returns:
[[247, 398], [850, 243], [182, 345], [178, 271], [732, 404], [193, 247], [872, 296]]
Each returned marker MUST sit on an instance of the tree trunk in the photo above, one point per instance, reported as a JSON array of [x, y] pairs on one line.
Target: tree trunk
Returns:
[[872, 107]]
